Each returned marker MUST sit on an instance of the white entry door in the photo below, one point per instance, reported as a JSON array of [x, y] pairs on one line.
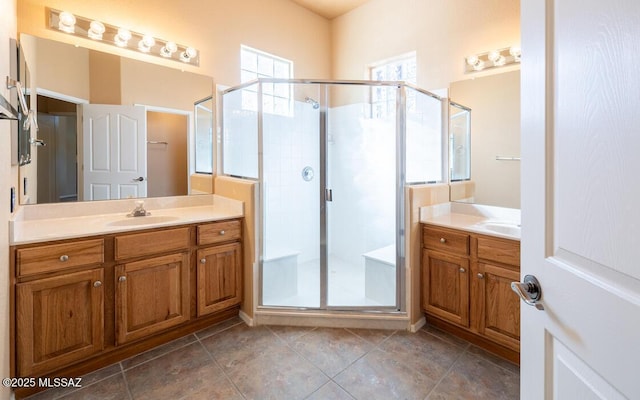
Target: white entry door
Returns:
[[114, 160], [580, 209]]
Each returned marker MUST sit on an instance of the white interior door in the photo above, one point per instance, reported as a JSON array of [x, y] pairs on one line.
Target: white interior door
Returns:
[[114, 143], [580, 213]]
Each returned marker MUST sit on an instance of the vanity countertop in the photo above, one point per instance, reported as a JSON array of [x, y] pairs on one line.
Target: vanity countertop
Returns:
[[46, 222], [487, 220]]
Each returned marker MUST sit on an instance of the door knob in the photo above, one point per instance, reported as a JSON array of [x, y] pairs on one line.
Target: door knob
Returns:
[[529, 291], [138, 179]]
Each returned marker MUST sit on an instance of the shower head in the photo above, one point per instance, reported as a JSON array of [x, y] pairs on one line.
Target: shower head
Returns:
[[309, 100]]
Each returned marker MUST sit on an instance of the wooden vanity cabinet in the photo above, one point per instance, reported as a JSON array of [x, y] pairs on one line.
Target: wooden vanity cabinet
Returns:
[[81, 304], [59, 320], [466, 287]]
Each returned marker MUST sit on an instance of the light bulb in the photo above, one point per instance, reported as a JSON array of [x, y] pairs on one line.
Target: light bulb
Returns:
[[96, 29], [66, 22], [188, 54], [168, 49], [493, 55], [472, 60], [122, 37], [479, 66], [500, 61], [146, 43], [516, 52]]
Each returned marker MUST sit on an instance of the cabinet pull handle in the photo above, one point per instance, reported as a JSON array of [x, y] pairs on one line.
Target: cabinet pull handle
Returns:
[[122, 278], [480, 276], [97, 284], [64, 258], [443, 240], [203, 261], [221, 232], [462, 270]]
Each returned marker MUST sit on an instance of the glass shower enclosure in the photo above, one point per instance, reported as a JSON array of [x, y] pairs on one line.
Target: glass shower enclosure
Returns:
[[332, 159]]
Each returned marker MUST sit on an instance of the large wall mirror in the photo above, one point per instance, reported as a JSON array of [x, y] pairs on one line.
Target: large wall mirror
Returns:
[[491, 117], [112, 127]]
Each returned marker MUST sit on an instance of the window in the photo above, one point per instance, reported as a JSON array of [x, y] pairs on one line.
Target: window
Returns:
[[276, 98], [383, 98]]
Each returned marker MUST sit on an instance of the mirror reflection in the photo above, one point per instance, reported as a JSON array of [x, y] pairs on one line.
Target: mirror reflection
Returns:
[[113, 127], [493, 140]]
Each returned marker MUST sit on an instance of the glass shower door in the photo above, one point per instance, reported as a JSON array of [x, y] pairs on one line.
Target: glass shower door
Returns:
[[361, 196], [290, 194]]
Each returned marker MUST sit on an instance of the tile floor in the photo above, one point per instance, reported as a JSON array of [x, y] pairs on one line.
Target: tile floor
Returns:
[[232, 361]]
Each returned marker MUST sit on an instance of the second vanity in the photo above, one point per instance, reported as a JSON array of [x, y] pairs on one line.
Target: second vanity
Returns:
[[91, 289], [470, 256]]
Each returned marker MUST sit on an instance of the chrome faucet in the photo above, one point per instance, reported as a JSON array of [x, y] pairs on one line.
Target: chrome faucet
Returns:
[[139, 211]]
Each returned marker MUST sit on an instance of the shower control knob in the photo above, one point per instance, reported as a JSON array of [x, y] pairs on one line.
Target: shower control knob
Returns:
[[443, 240]]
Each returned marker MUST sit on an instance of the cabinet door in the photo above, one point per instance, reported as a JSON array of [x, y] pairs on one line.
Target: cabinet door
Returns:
[[219, 278], [151, 295], [445, 286], [59, 320], [498, 308]]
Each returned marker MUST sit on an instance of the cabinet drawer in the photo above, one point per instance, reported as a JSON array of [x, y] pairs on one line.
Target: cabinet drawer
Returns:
[[36, 260], [445, 240], [219, 232], [503, 251], [141, 244]]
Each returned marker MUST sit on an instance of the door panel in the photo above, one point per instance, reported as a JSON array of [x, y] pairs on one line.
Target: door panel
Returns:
[[579, 198], [114, 143]]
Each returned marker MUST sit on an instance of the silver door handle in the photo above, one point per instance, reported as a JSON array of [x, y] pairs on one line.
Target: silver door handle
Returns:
[[328, 195], [529, 291], [138, 179]]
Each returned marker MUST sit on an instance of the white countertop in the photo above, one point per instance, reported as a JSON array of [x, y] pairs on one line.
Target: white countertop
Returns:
[[487, 220], [45, 222]]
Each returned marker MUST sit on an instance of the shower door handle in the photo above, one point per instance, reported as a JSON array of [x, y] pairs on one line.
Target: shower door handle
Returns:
[[328, 195]]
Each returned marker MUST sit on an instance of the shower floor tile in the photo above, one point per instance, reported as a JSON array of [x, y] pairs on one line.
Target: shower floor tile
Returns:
[[234, 361]]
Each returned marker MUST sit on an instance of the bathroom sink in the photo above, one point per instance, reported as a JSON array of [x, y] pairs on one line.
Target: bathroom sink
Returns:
[[502, 227], [138, 221]]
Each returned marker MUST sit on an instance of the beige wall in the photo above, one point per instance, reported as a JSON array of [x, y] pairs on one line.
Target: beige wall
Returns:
[[8, 178], [442, 33], [216, 28]]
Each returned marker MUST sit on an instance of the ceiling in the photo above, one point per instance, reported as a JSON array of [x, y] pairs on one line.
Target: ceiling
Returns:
[[330, 9]]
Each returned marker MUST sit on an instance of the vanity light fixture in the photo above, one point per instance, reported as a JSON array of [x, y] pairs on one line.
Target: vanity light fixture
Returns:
[[493, 59], [66, 22]]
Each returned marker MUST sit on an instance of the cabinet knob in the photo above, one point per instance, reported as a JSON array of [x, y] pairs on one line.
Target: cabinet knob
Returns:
[[462, 270], [64, 258], [203, 261], [122, 278], [443, 240], [480, 276], [221, 232], [97, 284]]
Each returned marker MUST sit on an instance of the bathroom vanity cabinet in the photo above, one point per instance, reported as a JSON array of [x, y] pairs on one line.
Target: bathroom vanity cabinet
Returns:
[[466, 287], [80, 304]]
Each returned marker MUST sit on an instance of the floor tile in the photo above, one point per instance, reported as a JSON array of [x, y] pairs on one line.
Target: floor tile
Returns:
[[240, 344], [87, 380], [290, 333], [277, 374], [375, 336], [157, 351], [219, 327], [113, 388], [382, 375], [501, 362], [445, 336], [330, 391], [473, 377], [331, 350], [425, 353], [173, 375], [217, 389]]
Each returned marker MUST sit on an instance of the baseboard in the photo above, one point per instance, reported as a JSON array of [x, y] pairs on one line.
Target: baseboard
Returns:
[[246, 318], [399, 321], [418, 325]]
